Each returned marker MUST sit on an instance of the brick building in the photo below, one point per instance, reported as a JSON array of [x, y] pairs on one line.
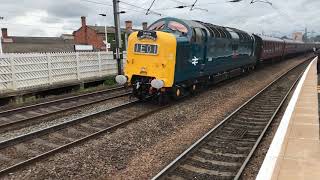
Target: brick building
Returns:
[[297, 36], [95, 35]]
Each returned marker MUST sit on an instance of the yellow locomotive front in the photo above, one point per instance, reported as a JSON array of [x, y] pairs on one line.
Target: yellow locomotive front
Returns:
[[150, 63]]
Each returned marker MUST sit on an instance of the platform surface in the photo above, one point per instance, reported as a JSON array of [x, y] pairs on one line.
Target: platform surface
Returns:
[[298, 154]]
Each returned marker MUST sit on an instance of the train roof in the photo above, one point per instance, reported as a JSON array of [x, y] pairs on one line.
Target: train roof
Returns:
[[292, 41], [214, 30], [267, 38]]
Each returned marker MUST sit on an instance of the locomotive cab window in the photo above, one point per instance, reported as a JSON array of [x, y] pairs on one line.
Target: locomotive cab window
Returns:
[[177, 28], [157, 26]]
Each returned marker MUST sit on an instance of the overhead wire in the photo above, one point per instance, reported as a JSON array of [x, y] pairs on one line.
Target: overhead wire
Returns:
[[101, 3], [185, 5], [261, 1], [150, 7], [132, 5]]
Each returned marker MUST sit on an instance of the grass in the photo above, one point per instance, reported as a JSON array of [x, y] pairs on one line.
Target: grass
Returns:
[[110, 81]]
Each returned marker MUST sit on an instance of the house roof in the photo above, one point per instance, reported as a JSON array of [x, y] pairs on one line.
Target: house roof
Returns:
[[17, 44], [100, 29], [110, 29]]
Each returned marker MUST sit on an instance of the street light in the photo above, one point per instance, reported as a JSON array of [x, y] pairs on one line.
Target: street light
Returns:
[[1, 52], [105, 31]]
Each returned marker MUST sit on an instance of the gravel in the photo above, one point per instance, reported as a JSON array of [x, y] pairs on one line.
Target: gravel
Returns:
[[64, 117], [12, 105], [142, 149], [253, 166]]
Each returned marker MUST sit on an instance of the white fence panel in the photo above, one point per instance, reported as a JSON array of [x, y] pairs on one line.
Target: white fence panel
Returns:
[[5, 72], [31, 70], [108, 64]]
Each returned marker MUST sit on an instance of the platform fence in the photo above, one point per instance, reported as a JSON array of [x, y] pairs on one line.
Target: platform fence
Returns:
[[33, 70]]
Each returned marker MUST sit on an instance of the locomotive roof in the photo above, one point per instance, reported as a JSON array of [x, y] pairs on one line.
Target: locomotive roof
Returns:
[[213, 30]]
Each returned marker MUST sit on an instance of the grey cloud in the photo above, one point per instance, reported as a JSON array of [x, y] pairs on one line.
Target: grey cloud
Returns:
[[284, 17], [68, 9]]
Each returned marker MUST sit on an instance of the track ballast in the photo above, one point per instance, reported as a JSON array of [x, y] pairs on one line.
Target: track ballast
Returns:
[[225, 150], [27, 115], [21, 151]]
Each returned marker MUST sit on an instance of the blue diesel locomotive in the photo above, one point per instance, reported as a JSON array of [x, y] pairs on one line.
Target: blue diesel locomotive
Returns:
[[176, 57]]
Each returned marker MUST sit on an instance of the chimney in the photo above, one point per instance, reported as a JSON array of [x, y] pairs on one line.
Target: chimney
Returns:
[[4, 32], [128, 26], [144, 25], [83, 21]]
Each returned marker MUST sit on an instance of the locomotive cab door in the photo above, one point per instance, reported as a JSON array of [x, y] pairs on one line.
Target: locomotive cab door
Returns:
[[199, 49]]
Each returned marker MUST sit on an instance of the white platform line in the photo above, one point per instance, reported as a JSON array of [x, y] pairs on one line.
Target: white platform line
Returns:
[[268, 165]]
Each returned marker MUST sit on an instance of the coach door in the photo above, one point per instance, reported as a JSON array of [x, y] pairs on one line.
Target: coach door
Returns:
[[198, 54]]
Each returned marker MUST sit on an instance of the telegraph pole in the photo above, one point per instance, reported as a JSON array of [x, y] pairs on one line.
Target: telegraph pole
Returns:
[[117, 33]]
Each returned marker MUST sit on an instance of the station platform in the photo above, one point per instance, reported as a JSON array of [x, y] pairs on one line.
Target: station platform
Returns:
[[295, 150]]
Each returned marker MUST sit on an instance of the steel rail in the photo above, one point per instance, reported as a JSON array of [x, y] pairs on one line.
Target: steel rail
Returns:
[[266, 128], [164, 172], [79, 141], [14, 110], [31, 135], [15, 122]]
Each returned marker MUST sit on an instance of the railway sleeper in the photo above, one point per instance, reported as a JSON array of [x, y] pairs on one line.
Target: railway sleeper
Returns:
[[250, 132], [228, 153], [208, 164], [219, 158], [187, 171], [252, 123], [260, 109], [249, 119], [213, 169], [256, 126]]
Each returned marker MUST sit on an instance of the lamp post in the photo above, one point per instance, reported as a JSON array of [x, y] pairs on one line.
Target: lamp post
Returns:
[[105, 31], [1, 18]]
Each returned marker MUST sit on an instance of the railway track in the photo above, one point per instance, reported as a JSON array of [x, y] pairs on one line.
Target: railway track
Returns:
[[19, 117], [21, 151], [225, 150]]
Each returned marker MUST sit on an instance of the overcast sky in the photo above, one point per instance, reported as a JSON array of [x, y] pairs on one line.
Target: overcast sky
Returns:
[[54, 17]]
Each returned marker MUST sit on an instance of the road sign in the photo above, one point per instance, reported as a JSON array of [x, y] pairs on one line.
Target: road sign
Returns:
[[108, 45]]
